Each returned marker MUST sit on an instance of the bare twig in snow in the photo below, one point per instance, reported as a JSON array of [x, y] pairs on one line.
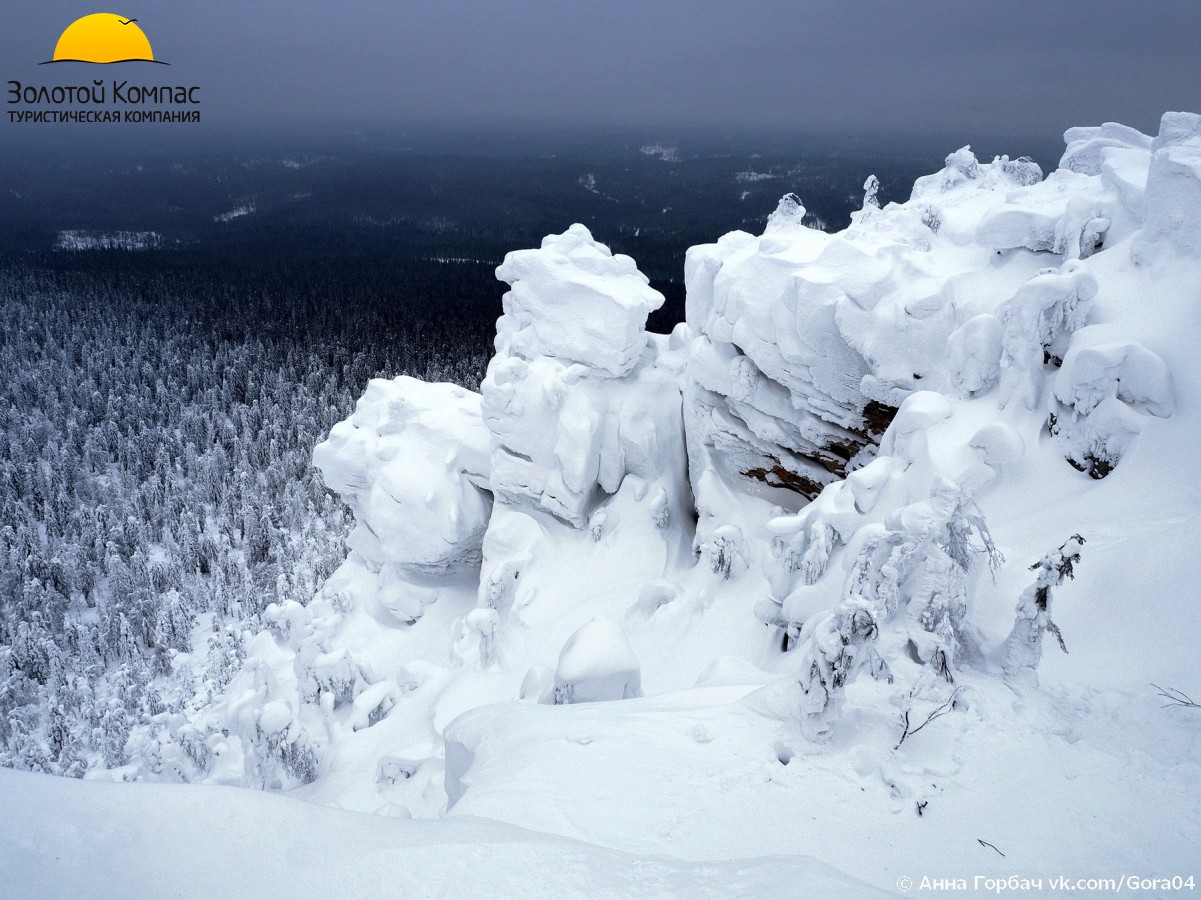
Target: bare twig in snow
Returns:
[[1176, 698], [937, 713], [984, 843]]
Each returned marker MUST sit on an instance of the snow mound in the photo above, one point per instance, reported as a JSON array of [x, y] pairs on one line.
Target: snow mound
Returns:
[[597, 663], [1097, 367]]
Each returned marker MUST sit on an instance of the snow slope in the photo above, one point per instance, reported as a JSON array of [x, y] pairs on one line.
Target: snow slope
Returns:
[[60, 838], [783, 554]]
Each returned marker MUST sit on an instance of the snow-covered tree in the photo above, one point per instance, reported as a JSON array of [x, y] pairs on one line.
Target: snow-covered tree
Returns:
[[918, 561], [871, 190], [1024, 646]]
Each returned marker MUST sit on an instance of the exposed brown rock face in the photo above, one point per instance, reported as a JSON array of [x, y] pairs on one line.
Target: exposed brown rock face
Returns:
[[877, 417], [778, 476]]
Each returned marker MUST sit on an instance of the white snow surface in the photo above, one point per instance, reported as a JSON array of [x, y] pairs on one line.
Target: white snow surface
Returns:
[[1037, 341], [68, 839]]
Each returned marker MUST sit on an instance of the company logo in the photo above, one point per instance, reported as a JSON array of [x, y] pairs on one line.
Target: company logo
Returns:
[[104, 38]]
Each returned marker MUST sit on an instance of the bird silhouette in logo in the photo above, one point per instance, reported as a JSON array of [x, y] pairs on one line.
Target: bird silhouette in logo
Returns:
[[104, 38]]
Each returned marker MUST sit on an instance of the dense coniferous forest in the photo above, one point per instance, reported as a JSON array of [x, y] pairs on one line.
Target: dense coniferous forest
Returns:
[[172, 349], [156, 489]]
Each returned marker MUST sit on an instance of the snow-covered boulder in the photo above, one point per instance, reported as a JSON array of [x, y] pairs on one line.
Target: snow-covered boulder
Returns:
[[974, 354], [412, 463], [1103, 391], [1086, 145], [1099, 364], [906, 436], [597, 663], [1037, 324]]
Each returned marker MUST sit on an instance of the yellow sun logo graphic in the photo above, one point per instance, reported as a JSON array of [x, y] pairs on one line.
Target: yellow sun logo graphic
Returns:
[[104, 38]]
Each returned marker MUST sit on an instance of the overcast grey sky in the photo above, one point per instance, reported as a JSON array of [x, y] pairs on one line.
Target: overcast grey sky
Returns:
[[1020, 66]]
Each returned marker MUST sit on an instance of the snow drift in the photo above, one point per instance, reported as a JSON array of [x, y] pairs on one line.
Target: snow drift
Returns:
[[155, 841]]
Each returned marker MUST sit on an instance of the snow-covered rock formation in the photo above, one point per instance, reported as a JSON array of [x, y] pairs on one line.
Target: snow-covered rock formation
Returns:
[[584, 410], [576, 397], [412, 464], [804, 518]]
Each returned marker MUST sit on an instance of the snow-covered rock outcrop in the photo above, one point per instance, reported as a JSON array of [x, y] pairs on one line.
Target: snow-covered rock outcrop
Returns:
[[574, 397], [804, 343], [584, 407], [412, 464], [803, 519]]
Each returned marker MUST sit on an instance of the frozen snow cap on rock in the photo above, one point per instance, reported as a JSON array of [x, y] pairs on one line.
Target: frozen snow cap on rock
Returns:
[[1173, 195], [575, 300], [1177, 128], [1101, 364], [1086, 146], [905, 438], [597, 663]]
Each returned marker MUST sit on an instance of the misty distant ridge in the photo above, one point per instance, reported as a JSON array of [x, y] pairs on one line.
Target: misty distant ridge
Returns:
[[658, 190]]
